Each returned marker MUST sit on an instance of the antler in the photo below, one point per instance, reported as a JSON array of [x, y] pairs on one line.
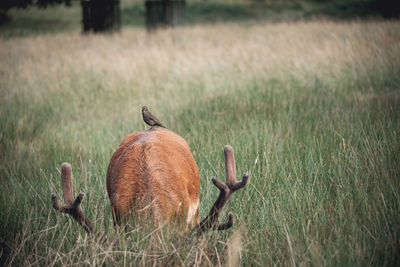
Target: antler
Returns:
[[226, 191], [71, 207]]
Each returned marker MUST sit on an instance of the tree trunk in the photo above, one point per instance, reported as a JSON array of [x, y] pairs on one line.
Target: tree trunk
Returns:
[[101, 15], [165, 13]]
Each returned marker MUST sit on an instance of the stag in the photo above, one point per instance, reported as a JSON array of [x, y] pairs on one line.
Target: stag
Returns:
[[153, 171]]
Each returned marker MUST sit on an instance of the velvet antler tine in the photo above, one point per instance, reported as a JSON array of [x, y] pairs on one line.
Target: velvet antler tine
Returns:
[[245, 180], [78, 200], [66, 174], [54, 201], [72, 207], [228, 224], [230, 168], [220, 185]]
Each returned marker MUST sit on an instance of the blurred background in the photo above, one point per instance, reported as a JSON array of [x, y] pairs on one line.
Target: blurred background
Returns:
[[46, 16]]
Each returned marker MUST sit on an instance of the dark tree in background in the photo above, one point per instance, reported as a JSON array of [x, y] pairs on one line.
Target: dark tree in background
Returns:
[[165, 13], [101, 15], [5, 5], [97, 15], [387, 8]]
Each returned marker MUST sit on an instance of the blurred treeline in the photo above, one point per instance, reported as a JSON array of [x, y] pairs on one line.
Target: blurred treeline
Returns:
[[200, 11], [211, 11]]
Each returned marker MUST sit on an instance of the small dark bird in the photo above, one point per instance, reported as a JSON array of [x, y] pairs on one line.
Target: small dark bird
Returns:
[[149, 118]]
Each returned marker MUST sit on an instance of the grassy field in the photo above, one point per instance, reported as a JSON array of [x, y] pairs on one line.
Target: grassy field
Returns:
[[312, 110]]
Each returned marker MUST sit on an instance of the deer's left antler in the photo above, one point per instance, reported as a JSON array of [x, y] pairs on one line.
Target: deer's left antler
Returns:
[[71, 207]]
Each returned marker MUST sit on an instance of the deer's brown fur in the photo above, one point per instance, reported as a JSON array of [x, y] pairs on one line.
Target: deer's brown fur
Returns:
[[154, 170]]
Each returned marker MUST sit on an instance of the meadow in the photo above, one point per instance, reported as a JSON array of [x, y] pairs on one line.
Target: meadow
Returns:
[[312, 110]]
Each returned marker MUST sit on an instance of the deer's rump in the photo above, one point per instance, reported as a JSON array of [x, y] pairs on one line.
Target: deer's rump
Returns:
[[154, 172]]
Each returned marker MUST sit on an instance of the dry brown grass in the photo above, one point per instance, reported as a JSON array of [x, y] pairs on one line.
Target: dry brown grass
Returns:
[[211, 55]]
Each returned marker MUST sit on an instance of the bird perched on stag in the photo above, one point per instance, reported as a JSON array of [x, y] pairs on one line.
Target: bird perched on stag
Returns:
[[150, 119]]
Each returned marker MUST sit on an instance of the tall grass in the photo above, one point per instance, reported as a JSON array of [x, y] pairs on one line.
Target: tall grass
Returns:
[[311, 109]]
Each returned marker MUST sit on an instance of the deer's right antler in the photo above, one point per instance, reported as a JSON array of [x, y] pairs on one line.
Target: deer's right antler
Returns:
[[226, 191], [71, 207]]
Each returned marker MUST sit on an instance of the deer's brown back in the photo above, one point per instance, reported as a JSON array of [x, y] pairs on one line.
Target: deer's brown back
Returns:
[[154, 171]]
